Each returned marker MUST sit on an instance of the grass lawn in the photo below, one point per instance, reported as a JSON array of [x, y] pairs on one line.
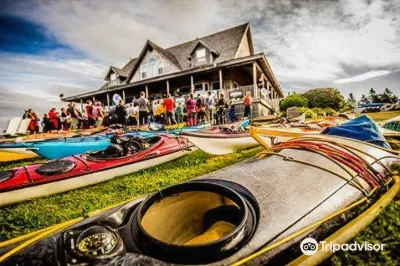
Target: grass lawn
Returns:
[[382, 116], [32, 215]]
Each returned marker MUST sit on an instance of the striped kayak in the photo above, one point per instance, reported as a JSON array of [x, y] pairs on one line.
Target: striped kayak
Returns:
[[77, 171], [60, 148], [263, 210]]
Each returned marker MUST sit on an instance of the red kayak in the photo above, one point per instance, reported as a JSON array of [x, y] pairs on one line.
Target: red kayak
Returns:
[[124, 155]]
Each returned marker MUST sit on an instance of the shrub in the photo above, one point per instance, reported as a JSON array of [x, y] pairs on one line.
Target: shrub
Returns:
[[319, 111], [330, 112], [309, 113], [294, 100], [324, 98]]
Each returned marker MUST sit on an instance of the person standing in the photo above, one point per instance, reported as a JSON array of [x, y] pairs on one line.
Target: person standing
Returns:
[[248, 101], [53, 119], [232, 113], [221, 105], [120, 113], [210, 107], [46, 125], [34, 123], [98, 113], [179, 113], [143, 104], [74, 115], [169, 104], [191, 110], [89, 112], [160, 114]]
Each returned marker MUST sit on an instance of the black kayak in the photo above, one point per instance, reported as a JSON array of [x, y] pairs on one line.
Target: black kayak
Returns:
[[234, 215]]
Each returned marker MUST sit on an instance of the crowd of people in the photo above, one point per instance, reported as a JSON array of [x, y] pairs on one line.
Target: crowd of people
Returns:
[[193, 110]]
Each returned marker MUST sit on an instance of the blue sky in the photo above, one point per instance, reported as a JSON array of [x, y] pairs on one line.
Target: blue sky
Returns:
[[60, 46]]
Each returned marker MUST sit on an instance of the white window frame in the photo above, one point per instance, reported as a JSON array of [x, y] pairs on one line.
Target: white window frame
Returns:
[[201, 55], [152, 68]]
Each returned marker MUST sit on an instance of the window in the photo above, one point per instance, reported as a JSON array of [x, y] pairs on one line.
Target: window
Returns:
[[113, 79], [152, 68], [215, 86], [201, 55]]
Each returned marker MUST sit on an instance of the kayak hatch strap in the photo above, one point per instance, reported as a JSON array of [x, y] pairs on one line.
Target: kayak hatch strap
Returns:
[[83, 161], [27, 174], [266, 132], [353, 181], [39, 237], [348, 148], [348, 159], [354, 178], [349, 231], [333, 152], [253, 133], [298, 233]]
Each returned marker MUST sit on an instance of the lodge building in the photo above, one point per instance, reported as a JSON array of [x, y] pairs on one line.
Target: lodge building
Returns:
[[223, 62]]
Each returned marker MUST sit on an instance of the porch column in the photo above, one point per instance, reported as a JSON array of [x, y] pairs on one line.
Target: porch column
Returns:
[[94, 99], [191, 84], [254, 79], [123, 95], [220, 80], [167, 87], [147, 92], [108, 101], [81, 105]]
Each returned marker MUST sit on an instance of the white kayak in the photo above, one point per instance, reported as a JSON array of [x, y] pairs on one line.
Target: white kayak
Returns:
[[222, 143]]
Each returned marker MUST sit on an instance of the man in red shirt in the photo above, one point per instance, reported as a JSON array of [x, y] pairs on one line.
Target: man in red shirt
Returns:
[[169, 105]]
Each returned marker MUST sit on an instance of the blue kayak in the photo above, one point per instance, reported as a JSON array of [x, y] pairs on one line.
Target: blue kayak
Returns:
[[59, 148]]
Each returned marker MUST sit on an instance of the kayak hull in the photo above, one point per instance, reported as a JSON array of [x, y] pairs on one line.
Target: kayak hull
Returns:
[[15, 196], [289, 195], [220, 144], [27, 182], [9, 156]]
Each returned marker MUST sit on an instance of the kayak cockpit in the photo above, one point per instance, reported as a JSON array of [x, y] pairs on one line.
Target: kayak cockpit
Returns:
[[195, 222], [124, 146]]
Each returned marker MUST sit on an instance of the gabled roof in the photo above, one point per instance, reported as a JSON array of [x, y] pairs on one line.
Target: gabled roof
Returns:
[[225, 43], [116, 70], [205, 45]]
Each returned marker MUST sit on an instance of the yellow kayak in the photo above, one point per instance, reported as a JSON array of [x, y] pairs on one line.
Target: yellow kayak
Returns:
[[7, 156]]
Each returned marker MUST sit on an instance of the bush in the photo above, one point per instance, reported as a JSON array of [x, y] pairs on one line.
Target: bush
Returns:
[[294, 100], [309, 113], [324, 98], [330, 112], [319, 111]]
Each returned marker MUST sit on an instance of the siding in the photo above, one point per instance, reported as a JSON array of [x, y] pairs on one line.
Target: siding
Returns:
[[168, 66], [244, 48]]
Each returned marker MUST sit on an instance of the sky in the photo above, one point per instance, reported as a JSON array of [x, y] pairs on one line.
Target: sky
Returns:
[[53, 47]]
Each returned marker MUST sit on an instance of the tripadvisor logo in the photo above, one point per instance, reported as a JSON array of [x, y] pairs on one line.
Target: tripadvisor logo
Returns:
[[309, 246]]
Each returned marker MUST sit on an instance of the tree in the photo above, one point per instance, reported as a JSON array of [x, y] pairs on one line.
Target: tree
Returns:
[[324, 98], [292, 100], [372, 91], [351, 101], [61, 95], [364, 99]]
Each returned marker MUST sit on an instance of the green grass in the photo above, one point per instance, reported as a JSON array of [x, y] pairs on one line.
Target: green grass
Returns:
[[32, 215], [382, 116]]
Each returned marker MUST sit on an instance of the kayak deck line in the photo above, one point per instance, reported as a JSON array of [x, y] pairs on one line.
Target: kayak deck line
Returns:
[[349, 231], [386, 199]]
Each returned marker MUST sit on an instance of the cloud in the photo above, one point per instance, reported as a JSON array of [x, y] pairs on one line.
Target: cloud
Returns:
[[362, 77], [308, 43]]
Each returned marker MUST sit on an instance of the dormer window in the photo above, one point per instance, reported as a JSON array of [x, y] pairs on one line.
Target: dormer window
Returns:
[[113, 79], [201, 55], [152, 68]]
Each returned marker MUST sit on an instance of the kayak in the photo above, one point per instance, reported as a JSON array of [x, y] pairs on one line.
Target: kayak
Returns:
[[123, 156], [253, 212], [218, 142], [14, 151], [60, 148]]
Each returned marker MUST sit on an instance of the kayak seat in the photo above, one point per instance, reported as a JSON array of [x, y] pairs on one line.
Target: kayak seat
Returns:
[[56, 167], [122, 146], [218, 222], [5, 175]]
